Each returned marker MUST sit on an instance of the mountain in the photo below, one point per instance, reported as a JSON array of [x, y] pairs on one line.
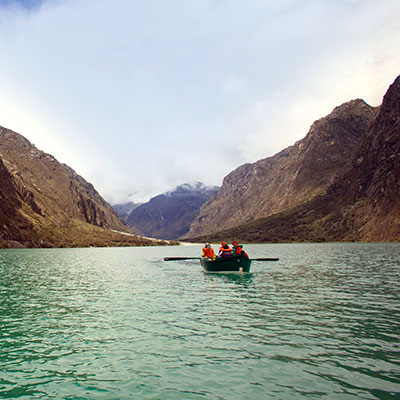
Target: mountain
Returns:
[[169, 215], [361, 204], [124, 209], [293, 176], [46, 204], [368, 193]]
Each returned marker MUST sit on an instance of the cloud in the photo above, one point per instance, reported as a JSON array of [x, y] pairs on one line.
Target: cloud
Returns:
[[139, 97], [233, 85]]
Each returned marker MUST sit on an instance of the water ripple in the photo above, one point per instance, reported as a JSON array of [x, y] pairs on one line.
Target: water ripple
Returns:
[[323, 322]]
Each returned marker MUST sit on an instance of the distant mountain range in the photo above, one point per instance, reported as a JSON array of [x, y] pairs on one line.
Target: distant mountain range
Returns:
[[169, 215], [46, 204], [340, 183], [124, 209]]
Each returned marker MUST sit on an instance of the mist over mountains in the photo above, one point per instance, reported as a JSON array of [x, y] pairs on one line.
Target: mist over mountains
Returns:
[[341, 182], [169, 215]]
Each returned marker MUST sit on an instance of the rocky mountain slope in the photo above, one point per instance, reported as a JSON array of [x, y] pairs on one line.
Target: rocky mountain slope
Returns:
[[169, 215], [361, 204], [124, 209], [46, 204], [294, 176]]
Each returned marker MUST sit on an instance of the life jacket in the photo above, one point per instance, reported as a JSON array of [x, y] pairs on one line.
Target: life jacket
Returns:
[[238, 251], [225, 251], [208, 252]]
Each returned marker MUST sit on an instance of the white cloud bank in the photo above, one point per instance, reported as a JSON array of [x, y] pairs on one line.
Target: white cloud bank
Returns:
[[139, 97]]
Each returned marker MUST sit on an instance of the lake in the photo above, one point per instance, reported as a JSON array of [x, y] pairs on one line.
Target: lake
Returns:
[[119, 323]]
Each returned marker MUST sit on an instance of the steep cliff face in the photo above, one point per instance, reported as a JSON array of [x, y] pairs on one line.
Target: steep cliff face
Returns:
[[55, 187], [370, 188], [293, 176], [363, 202], [11, 221], [45, 203], [169, 215]]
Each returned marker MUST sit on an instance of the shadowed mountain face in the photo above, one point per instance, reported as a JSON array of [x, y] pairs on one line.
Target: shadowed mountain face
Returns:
[[361, 204], [369, 191], [45, 203], [293, 176], [169, 215], [11, 221]]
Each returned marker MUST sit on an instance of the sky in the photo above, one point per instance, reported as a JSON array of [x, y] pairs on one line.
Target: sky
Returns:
[[141, 96]]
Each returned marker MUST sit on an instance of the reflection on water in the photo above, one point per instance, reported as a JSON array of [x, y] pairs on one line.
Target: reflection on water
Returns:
[[241, 278], [323, 322]]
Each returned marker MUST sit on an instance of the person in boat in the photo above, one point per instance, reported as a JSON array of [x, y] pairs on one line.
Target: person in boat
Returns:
[[238, 249], [208, 251], [225, 250]]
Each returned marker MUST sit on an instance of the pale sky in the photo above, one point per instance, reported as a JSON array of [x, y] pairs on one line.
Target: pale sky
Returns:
[[141, 96]]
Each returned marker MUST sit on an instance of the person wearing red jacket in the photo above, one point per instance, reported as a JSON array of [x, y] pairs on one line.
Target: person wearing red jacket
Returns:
[[238, 249]]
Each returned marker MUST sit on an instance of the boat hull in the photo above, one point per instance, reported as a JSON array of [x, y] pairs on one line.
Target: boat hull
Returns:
[[228, 264]]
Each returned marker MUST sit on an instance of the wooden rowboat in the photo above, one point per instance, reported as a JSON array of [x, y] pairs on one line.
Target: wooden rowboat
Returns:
[[228, 264]]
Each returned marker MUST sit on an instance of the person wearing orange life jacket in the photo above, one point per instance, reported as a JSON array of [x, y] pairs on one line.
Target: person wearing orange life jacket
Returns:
[[225, 250], [238, 249], [208, 251]]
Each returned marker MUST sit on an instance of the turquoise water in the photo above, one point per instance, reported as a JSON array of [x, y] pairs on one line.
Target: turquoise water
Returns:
[[323, 322]]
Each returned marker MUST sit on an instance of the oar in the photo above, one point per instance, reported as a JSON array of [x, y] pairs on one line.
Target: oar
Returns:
[[181, 258], [199, 258]]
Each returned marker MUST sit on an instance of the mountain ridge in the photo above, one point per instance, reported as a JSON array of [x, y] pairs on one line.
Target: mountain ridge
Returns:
[[361, 204], [292, 176], [47, 204]]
